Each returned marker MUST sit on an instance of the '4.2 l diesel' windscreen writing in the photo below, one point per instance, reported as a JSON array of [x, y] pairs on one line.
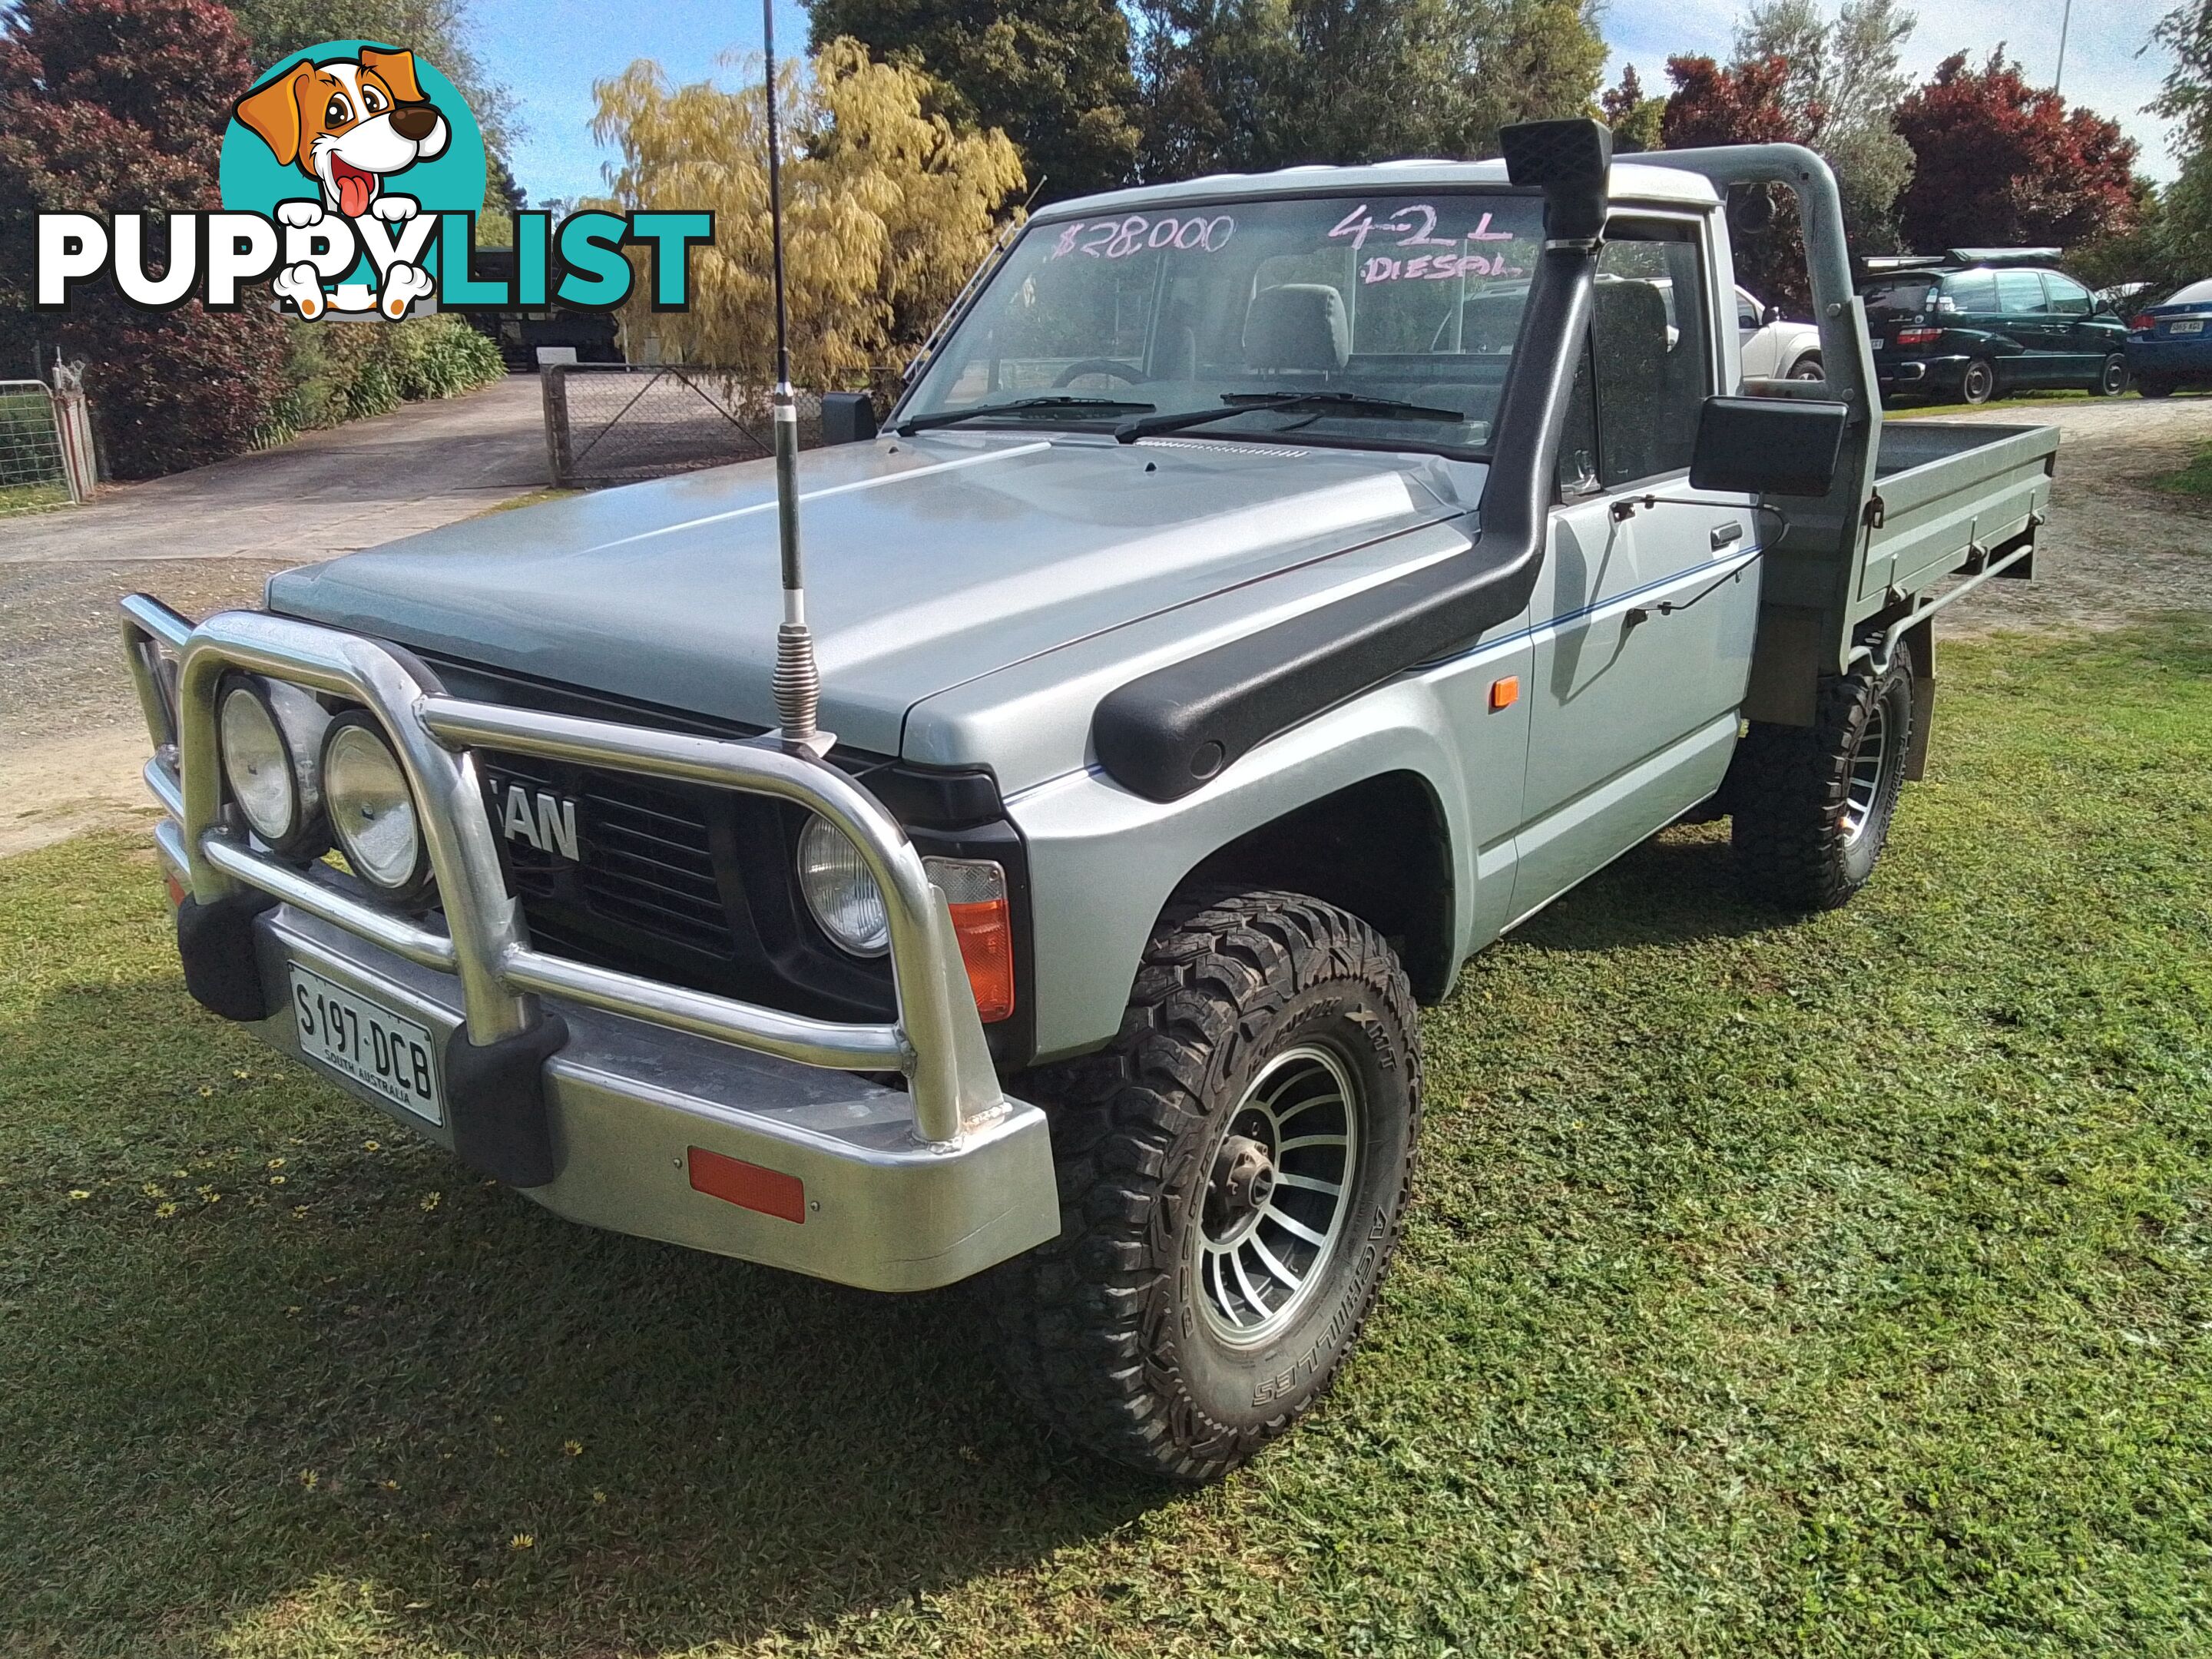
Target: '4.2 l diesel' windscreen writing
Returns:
[[1413, 301]]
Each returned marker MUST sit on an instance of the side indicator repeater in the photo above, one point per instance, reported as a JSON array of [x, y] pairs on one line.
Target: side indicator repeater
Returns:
[[1504, 693]]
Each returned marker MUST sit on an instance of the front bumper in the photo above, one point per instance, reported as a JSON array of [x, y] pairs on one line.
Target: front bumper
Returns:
[[899, 1190]]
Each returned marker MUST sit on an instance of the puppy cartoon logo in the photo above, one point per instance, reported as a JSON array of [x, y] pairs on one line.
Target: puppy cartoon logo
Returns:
[[349, 117], [349, 125], [351, 175]]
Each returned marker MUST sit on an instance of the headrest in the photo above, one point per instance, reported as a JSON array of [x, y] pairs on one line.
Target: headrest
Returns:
[[1299, 326]]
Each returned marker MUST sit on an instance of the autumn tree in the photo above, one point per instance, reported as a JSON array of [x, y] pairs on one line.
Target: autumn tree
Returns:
[[1635, 118], [1252, 84], [119, 106], [2002, 164], [887, 208], [1053, 74], [1746, 103]]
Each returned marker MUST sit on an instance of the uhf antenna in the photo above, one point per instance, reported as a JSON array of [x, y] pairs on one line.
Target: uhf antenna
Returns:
[[798, 680]]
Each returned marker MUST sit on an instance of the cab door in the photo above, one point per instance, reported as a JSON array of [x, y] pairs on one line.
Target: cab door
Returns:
[[1643, 614]]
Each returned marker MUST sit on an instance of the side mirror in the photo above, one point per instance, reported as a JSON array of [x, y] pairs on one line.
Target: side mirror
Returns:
[[1771, 314], [847, 417], [1768, 446]]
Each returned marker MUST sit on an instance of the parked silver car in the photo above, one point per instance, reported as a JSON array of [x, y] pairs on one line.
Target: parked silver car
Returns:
[[1773, 347]]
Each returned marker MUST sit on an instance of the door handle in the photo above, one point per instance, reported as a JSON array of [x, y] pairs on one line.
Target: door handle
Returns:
[[1726, 533]]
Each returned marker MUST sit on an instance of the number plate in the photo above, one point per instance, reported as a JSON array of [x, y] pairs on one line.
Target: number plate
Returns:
[[2193, 325], [392, 1056]]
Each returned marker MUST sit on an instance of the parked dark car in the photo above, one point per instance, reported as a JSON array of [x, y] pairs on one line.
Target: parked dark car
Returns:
[[2170, 344], [1978, 322]]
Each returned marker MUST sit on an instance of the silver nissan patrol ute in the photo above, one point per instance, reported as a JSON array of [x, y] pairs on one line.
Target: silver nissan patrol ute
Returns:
[[1267, 591]]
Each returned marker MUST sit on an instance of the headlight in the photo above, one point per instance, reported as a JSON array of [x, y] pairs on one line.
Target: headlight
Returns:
[[372, 810], [271, 731], [843, 894]]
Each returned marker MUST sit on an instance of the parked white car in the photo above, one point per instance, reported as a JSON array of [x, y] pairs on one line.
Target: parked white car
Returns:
[[1773, 349]]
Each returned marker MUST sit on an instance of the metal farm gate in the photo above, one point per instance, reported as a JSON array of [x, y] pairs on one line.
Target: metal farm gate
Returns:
[[608, 424], [45, 447]]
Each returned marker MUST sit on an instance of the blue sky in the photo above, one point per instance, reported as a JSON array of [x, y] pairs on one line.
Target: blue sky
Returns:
[[550, 51]]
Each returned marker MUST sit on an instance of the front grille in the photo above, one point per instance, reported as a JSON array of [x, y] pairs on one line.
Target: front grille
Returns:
[[648, 853], [672, 881]]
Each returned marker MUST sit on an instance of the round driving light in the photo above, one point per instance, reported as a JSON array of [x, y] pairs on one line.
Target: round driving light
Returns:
[[257, 763], [840, 891], [372, 809]]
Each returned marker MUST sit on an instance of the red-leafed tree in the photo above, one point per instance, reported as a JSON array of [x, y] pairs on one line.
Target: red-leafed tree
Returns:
[[119, 106], [2002, 164], [1746, 104]]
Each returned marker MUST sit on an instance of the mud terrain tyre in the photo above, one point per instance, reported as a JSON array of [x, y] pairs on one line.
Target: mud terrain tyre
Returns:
[[1232, 1173], [1812, 806]]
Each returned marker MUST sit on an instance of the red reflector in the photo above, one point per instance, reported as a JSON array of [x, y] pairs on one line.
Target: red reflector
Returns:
[[748, 1186], [176, 893]]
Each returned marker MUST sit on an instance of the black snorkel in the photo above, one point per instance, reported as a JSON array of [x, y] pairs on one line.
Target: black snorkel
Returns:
[[1165, 734]]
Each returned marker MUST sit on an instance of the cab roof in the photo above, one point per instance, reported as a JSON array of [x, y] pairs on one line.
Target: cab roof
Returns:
[[1631, 182]]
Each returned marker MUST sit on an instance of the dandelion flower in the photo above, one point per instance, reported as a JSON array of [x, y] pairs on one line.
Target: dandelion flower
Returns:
[[165, 1210], [275, 1164], [151, 1190], [522, 1541], [206, 1090], [371, 1146], [598, 1496], [573, 1448], [308, 1478], [79, 1192], [430, 1201], [275, 1180]]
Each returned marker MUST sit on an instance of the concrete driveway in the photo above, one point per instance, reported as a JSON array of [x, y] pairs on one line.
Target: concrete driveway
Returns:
[[70, 737]]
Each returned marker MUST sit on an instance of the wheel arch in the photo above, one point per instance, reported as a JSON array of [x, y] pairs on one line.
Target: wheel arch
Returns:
[[1105, 862], [1380, 848]]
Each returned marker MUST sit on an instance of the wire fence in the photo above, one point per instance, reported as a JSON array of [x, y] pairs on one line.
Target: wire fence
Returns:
[[34, 472], [610, 423]]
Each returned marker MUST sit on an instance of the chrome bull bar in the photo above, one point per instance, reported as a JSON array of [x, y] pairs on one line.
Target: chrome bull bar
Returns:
[[936, 1041]]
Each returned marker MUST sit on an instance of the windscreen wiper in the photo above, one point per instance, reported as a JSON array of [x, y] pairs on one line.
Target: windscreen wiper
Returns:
[[1321, 402], [1019, 406]]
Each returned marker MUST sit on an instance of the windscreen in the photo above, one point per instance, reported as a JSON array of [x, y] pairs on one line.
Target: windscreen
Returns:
[[2195, 294], [1400, 311], [1896, 300]]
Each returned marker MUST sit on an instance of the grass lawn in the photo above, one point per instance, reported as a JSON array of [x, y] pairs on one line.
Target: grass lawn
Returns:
[[2194, 479], [32, 497], [1842, 1288]]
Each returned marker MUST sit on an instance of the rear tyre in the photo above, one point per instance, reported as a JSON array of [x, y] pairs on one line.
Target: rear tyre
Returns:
[[1807, 367], [1978, 384], [2111, 377], [2152, 386], [1232, 1173], [1812, 806]]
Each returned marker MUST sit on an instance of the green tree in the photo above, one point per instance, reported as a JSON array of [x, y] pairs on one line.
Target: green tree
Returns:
[[2175, 241], [1264, 83], [1053, 74], [887, 208], [1842, 88], [1636, 120]]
